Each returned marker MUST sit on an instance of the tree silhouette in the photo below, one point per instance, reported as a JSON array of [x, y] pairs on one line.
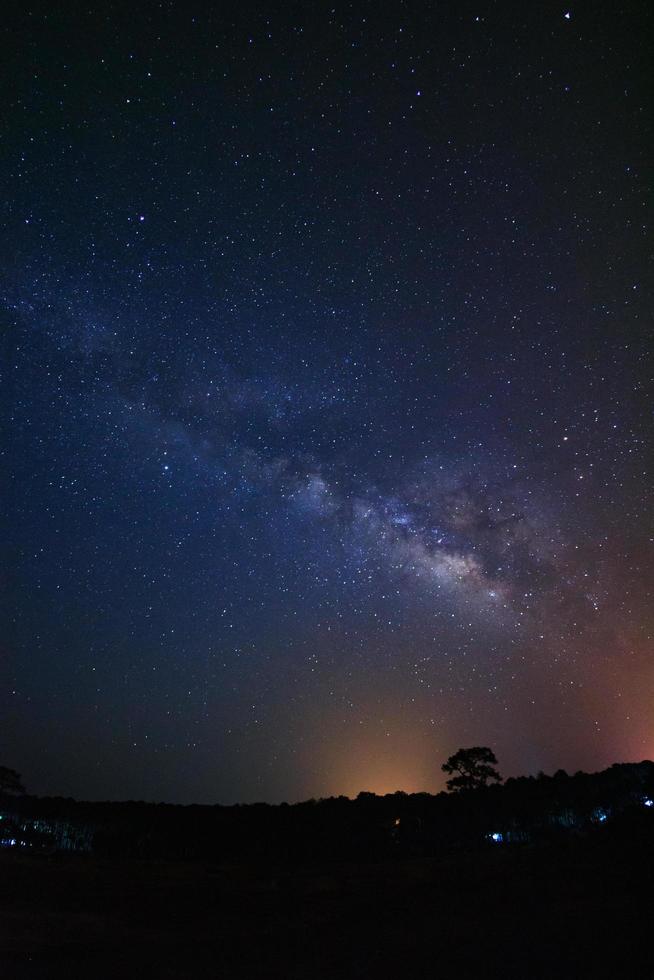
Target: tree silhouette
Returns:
[[473, 768], [10, 782]]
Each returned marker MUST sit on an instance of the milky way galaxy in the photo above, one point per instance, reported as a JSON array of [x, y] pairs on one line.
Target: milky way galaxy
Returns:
[[329, 404]]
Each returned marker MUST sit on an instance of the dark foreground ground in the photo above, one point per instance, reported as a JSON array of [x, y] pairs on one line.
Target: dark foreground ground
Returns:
[[581, 908]]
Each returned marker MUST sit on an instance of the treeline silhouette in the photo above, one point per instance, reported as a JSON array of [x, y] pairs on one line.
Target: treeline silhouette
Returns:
[[522, 810]]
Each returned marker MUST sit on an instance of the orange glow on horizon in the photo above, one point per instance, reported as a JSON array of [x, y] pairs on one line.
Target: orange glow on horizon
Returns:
[[382, 765]]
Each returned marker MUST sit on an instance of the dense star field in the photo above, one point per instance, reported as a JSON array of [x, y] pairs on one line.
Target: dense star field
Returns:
[[329, 395]]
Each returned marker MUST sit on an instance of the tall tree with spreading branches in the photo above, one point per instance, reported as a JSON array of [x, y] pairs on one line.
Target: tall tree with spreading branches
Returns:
[[471, 768], [10, 782]]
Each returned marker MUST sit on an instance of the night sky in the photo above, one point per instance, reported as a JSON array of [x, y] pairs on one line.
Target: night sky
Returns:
[[329, 404]]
